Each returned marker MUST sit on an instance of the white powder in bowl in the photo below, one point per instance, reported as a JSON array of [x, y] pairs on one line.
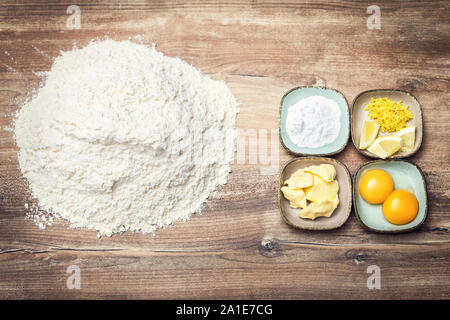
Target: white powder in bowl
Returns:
[[121, 137], [313, 122]]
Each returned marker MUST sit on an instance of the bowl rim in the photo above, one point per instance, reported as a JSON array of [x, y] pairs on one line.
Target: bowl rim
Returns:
[[413, 228], [300, 154], [370, 155], [281, 197]]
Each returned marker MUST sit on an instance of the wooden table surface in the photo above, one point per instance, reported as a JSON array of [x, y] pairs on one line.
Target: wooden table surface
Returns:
[[239, 247]]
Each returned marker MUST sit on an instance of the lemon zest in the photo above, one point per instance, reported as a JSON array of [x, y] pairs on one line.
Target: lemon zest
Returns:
[[390, 115]]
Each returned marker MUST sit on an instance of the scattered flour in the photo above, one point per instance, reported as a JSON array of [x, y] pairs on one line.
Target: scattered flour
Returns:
[[120, 137], [313, 122], [40, 218]]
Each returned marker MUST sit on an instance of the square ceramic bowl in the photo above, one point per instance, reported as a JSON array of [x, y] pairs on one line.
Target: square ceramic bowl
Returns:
[[359, 115], [406, 176], [295, 95], [340, 214]]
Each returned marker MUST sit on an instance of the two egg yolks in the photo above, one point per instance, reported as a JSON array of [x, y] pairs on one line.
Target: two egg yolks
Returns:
[[399, 206]]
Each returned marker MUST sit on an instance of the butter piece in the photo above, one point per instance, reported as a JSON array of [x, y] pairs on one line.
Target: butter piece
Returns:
[[296, 197], [321, 191], [326, 171], [299, 180]]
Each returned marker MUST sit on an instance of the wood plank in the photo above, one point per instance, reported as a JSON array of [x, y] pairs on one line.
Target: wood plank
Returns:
[[275, 269]]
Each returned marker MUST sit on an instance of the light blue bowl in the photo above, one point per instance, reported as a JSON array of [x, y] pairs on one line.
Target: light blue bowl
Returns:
[[297, 94], [406, 176]]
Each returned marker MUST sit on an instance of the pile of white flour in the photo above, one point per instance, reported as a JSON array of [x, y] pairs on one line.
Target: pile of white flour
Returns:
[[121, 137]]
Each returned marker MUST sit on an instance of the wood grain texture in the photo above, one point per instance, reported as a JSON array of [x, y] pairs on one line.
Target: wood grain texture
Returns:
[[239, 247]]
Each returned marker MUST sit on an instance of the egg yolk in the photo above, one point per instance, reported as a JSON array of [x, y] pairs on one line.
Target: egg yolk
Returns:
[[375, 186], [400, 207]]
